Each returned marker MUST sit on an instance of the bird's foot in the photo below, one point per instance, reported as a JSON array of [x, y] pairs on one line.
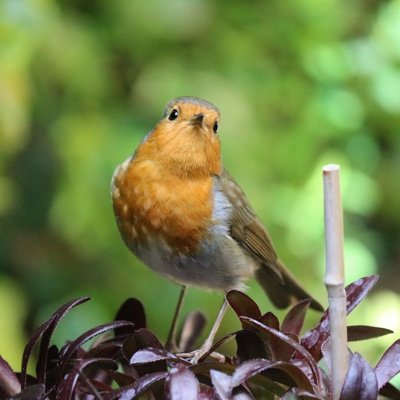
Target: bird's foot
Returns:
[[200, 353], [195, 356]]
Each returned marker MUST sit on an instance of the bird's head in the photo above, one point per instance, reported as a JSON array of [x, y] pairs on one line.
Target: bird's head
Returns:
[[185, 142]]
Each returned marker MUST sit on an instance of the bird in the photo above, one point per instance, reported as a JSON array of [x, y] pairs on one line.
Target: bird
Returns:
[[183, 215]]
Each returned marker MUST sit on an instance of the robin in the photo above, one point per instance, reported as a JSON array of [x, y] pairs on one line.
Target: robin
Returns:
[[181, 213]]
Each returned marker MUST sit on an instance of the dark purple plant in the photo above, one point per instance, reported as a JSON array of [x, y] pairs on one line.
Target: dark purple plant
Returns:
[[128, 361]]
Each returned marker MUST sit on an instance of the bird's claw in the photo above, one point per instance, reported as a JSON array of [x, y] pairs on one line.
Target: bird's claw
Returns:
[[195, 356]]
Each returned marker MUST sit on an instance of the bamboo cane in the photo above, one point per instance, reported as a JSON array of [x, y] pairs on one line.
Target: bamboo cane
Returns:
[[334, 277]]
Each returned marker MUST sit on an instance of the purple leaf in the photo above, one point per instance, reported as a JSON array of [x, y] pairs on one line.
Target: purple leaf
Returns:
[[104, 350], [70, 349], [389, 391], [251, 368], [284, 339], [33, 392], [363, 332], [136, 389], [285, 353], [222, 384], [303, 364], [247, 370], [389, 364], [94, 386], [131, 310], [294, 319], [150, 355], [205, 368], [277, 350], [303, 394], [249, 346], [207, 393], [225, 368], [270, 319], [182, 383], [67, 387], [326, 352], [41, 366], [243, 305], [35, 337], [121, 378], [144, 340], [140, 339], [355, 293], [9, 382], [360, 382], [53, 357]]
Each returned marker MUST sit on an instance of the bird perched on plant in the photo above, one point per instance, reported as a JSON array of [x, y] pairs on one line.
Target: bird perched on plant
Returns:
[[183, 215]]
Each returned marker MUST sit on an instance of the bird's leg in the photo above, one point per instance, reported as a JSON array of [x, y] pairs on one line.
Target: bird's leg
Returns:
[[171, 341], [210, 339]]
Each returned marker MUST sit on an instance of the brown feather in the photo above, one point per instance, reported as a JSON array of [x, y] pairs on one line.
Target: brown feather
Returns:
[[248, 231]]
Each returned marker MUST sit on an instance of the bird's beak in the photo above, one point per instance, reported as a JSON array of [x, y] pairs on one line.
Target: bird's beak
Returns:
[[197, 119]]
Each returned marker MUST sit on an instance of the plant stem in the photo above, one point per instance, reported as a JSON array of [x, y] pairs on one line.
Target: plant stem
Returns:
[[334, 277]]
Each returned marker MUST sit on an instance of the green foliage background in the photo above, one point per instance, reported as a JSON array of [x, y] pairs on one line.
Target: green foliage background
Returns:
[[299, 84]]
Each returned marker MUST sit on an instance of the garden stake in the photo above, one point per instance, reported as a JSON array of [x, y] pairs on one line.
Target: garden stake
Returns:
[[334, 277]]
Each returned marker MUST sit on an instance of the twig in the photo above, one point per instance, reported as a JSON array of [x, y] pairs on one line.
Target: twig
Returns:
[[334, 277]]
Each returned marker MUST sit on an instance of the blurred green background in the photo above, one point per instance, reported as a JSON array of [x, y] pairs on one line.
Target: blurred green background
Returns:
[[299, 84]]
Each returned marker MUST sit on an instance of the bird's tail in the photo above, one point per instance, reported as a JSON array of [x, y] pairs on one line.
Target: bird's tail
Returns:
[[282, 292]]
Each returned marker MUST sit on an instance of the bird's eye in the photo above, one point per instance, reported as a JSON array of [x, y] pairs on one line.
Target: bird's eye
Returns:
[[215, 127], [173, 115]]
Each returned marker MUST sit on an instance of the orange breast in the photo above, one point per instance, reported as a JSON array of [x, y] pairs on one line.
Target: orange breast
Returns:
[[151, 204]]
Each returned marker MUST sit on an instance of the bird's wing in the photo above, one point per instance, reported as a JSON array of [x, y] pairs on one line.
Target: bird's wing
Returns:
[[249, 233], [246, 229]]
